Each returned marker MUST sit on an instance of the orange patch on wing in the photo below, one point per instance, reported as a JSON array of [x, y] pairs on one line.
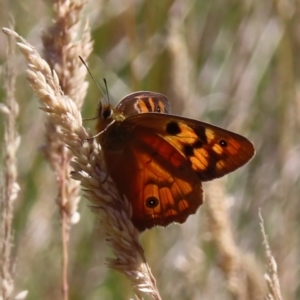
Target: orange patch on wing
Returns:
[[199, 164], [200, 160], [187, 132], [166, 196], [170, 212], [220, 164], [180, 188], [142, 106], [183, 204], [161, 106], [217, 148], [151, 102], [201, 153], [210, 135]]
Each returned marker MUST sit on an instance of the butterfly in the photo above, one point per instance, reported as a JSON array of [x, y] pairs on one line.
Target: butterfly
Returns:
[[159, 160]]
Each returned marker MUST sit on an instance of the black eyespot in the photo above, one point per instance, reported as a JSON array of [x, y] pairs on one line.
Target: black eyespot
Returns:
[[173, 128], [152, 202], [223, 143], [106, 113]]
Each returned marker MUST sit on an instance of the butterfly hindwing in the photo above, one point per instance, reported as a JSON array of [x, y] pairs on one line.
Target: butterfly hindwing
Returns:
[[143, 102]]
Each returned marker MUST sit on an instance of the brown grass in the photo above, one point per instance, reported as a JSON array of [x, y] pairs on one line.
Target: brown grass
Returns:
[[9, 185], [271, 277], [62, 51]]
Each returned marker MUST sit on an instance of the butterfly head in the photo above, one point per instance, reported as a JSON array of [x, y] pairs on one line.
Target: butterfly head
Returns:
[[104, 111], [107, 116]]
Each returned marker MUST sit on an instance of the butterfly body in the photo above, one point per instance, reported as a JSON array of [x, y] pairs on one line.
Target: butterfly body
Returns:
[[159, 160]]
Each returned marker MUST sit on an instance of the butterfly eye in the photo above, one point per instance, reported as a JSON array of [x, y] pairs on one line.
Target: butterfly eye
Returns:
[[106, 113], [223, 143], [152, 202]]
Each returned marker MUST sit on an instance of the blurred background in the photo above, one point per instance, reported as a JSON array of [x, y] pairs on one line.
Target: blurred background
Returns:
[[231, 63]]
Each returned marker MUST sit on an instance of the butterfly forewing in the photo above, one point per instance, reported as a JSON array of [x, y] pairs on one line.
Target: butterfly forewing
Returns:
[[212, 151]]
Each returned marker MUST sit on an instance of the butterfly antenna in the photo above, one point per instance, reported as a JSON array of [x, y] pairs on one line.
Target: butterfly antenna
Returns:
[[107, 94], [93, 78]]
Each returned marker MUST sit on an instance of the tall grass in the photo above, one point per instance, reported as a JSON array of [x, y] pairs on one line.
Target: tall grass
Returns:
[[231, 63]]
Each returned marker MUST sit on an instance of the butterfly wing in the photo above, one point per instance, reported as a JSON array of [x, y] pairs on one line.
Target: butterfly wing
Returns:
[[143, 102], [159, 160], [158, 181], [211, 151]]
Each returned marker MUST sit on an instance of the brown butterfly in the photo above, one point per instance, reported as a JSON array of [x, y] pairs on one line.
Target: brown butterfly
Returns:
[[159, 160]]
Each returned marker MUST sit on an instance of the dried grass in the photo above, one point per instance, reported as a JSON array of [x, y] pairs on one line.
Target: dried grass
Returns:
[[62, 46], [241, 281], [61, 51], [272, 279], [89, 168], [9, 184]]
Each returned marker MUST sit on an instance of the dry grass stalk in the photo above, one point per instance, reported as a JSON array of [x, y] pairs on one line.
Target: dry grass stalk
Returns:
[[219, 223], [10, 186], [220, 228], [241, 282], [62, 53], [271, 278], [89, 168], [183, 71]]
